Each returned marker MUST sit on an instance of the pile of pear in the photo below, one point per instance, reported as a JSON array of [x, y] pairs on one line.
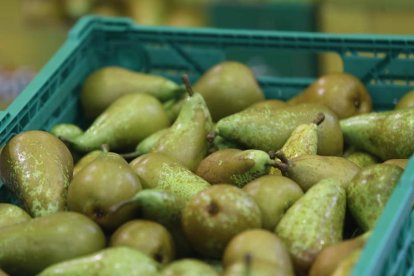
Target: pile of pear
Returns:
[[210, 179]]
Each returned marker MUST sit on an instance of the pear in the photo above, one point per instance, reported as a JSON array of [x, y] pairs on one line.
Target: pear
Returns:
[[159, 171], [314, 222], [29, 247], [217, 214], [11, 214], [186, 139], [261, 245], [188, 267], [228, 87], [388, 135], [406, 101], [110, 261], [346, 266], [331, 256], [266, 104], [37, 167], [343, 93], [66, 131], [149, 237], [234, 166], [123, 124], [173, 107], [402, 163], [147, 145], [217, 142], [307, 170], [101, 184], [268, 129], [274, 195], [369, 191], [303, 139], [362, 159], [104, 86], [85, 160], [253, 267], [2, 273]]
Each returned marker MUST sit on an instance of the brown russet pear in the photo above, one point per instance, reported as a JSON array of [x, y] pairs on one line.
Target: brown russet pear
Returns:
[[105, 85], [149, 237], [268, 129], [228, 87], [343, 93], [102, 183], [37, 167], [217, 214], [260, 245]]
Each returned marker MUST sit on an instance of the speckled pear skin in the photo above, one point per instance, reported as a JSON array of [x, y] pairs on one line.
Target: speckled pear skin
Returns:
[[369, 191], [217, 214], [314, 222], [37, 167], [157, 170], [303, 140], [126, 122], [362, 159], [110, 261], [186, 140], [11, 214], [234, 166], [307, 170], [29, 247], [268, 129], [388, 135], [188, 267]]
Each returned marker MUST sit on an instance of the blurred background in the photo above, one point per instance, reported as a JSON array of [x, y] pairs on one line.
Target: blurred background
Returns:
[[32, 30]]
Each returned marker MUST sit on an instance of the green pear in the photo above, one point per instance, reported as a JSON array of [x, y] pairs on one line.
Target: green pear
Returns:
[[85, 160], [11, 214], [253, 267], [102, 183], [234, 166], [110, 261], [388, 135], [369, 191], [268, 129], [106, 85], [29, 247], [362, 159], [345, 267], [406, 101], [331, 256], [2, 273], [186, 139], [343, 93], [269, 103], [123, 124], [217, 214], [173, 107], [188, 267], [303, 139], [146, 145], [66, 131], [307, 170], [157, 170], [149, 237], [402, 163], [217, 142], [261, 245], [314, 222], [37, 167], [274, 195], [228, 87]]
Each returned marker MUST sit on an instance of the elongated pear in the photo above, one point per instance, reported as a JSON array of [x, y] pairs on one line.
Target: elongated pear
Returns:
[[66, 131], [126, 122], [29, 247], [388, 135], [107, 84], [110, 261], [268, 129], [369, 191], [362, 159], [37, 167], [186, 139], [307, 170], [304, 139], [314, 222]]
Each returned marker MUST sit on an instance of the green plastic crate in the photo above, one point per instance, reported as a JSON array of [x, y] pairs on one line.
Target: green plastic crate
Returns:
[[384, 63]]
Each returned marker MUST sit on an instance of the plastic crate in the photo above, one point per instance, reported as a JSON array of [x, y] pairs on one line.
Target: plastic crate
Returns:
[[384, 63]]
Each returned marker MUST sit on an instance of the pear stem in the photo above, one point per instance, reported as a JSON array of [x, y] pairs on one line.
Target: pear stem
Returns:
[[283, 167], [105, 147], [320, 117], [130, 155], [210, 137], [187, 84], [282, 156], [272, 154]]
